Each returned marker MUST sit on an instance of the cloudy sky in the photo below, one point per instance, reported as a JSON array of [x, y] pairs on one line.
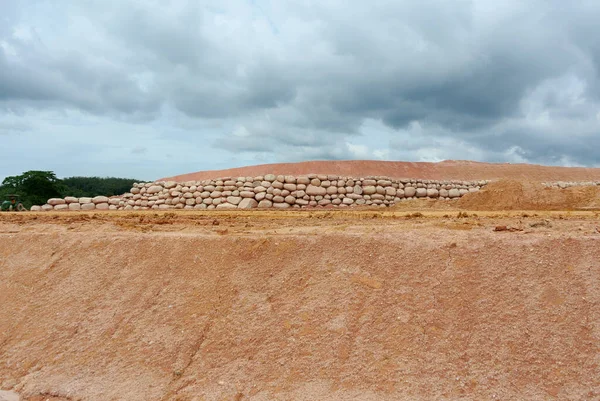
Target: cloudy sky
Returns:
[[139, 89]]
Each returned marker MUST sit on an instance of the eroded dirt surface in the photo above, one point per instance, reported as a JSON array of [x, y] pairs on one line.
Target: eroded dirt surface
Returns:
[[445, 170], [313, 305]]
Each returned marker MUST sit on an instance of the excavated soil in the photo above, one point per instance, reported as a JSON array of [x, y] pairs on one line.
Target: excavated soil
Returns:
[[531, 195], [292, 305], [446, 170]]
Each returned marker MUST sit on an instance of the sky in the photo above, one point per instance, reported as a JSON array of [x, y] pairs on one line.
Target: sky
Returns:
[[147, 88]]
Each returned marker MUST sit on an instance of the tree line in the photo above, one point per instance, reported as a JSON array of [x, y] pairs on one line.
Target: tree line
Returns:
[[36, 187]]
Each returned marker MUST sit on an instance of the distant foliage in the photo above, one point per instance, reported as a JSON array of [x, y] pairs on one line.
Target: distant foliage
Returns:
[[32, 187], [36, 187], [94, 186]]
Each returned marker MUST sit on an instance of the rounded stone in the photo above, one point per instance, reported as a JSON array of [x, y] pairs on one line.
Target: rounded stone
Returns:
[[433, 193], [421, 192], [154, 189], [410, 191], [56, 201], [369, 190], [248, 203], [100, 199], [313, 190], [454, 193], [263, 204]]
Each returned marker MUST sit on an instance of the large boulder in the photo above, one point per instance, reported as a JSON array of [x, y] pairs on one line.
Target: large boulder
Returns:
[[88, 206], [71, 199], [85, 200], [248, 203], [100, 199], [226, 206], [74, 206], [102, 206], [410, 191], [313, 190], [433, 193], [62, 207], [454, 193], [369, 190], [234, 200], [56, 201], [154, 189], [264, 204]]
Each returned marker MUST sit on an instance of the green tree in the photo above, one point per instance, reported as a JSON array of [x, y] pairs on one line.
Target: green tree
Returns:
[[33, 187]]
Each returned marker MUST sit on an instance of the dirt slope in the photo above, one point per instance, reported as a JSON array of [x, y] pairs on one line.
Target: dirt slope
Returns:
[[297, 306], [528, 195], [446, 170]]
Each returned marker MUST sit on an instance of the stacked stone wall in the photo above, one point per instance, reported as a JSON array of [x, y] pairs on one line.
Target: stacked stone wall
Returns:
[[271, 191]]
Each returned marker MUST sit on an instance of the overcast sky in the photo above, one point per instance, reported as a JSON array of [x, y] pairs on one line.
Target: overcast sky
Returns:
[[139, 89]]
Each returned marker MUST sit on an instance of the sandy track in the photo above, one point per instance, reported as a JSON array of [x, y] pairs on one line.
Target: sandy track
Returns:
[[370, 305], [446, 170]]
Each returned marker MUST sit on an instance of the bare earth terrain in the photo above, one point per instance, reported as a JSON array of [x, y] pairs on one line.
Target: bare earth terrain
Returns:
[[446, 170], [492, 297]]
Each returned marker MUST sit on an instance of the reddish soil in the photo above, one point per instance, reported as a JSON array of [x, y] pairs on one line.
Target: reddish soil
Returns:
[[446, 170], [314, 305]]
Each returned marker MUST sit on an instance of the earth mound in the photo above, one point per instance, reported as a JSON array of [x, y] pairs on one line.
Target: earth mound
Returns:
[[445, 170], [530, 195]]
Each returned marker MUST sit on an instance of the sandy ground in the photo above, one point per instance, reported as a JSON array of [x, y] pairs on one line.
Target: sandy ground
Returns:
[[446, 170], [394, 304]]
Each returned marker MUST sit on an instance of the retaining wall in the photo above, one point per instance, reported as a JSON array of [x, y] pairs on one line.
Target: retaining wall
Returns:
[[313, 190]]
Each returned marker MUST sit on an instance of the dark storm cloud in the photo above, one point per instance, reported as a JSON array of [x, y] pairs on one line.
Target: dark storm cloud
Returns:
[[468, 79]]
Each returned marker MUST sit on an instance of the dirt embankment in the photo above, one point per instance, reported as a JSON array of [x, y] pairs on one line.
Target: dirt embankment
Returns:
[[327, 306], [529, 195], [446, 170]]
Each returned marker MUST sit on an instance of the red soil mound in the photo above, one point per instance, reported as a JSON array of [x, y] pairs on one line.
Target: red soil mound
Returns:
[[527, 195], [446, 170], [90, 310]]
